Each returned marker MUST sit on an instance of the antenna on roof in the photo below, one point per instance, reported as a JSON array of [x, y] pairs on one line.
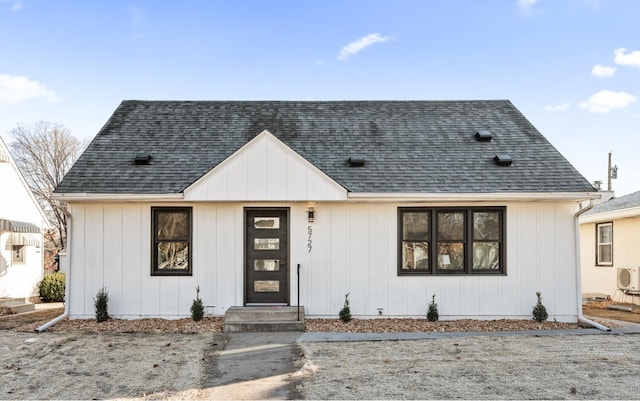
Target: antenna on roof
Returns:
[[612, 174]]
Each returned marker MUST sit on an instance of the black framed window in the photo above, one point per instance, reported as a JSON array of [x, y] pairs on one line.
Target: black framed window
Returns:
[[604, 244], [171, 241], [451, 241]]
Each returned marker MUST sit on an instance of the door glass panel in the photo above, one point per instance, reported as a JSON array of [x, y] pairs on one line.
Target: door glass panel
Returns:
[[266, 286], [266, 265], [266, 243], [266, 222]]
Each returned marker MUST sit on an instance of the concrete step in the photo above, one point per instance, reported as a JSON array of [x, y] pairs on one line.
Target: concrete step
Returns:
[[264, 318], [21, 308]]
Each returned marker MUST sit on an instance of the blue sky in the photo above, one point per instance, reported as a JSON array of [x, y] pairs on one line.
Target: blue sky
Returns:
[[571, 66]]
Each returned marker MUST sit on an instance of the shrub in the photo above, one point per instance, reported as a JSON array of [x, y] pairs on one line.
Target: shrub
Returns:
[[432, 312], [52, 287], [197, 308], [101, 302], [345, 312], [539, 311]]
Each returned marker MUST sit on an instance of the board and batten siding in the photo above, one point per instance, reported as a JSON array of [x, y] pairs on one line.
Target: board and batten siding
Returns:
[[352, 249]]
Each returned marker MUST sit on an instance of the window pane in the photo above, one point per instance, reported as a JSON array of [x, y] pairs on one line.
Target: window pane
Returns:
[[173, 226], [604, 253], [173, 255], [266, 243], [486, 225], [451, 256], [266, 286], [415, 226], [415, 255], [451, 226], [266, 222], [605, 233], [486, 255], [270, 265]]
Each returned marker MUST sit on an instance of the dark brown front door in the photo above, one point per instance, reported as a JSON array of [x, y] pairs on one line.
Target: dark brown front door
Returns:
[[267, 256]]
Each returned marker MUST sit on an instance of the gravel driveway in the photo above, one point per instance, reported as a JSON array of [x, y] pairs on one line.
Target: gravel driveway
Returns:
[[603, 366]]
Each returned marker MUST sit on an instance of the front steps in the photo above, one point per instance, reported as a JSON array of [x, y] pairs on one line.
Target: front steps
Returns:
[[263, 318], [19, 305]]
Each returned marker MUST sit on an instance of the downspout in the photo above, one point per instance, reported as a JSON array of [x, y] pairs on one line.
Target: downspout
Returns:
[[67, 286], [581, 317]]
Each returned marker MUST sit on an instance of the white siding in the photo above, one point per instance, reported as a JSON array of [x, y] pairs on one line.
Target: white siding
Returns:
[[265, 169], [353, 250]]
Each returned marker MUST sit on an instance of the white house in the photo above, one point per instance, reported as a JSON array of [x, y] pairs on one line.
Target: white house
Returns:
[[389, 201], [22, 223], [610, 247]]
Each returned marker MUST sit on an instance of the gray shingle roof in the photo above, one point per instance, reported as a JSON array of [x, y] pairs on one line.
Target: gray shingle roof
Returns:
[[613, 204], [409, 146]]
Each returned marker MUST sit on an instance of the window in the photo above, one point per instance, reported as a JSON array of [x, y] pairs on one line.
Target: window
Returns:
[[451, 241], [171, 247], [17, 254], [604, 246]]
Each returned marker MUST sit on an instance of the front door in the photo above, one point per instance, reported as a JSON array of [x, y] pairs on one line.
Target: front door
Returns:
[[267, 256]]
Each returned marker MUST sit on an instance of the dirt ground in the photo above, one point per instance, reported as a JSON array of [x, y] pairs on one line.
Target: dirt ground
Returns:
[[127, 360]]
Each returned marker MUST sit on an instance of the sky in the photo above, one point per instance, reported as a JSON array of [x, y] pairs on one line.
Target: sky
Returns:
[[572, 67]]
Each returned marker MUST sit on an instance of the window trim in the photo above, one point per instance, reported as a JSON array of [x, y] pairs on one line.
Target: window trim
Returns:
[[154, 241], [468, 241], [598, 244]]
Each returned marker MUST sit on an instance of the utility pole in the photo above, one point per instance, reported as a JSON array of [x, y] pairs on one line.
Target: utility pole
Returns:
[[612, 173]]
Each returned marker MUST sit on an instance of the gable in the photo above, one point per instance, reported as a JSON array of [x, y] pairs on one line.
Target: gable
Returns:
[[265, 169]]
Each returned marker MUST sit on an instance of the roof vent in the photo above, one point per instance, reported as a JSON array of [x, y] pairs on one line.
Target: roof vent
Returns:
[[483, 136], [356, 161], [503, 160], [142, 158]]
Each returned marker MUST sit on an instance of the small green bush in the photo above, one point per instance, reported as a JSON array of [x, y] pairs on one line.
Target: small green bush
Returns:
[[539, 311], [345, 312], [432, 313], [101, 302], [197, 308], [52, 287]]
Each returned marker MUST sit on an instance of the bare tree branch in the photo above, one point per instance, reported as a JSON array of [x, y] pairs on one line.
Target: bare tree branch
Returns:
[[44, 152]]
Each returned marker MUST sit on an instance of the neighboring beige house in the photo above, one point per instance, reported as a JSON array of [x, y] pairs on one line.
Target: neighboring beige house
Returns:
[[22, 223], [610, 249], [389, 201]]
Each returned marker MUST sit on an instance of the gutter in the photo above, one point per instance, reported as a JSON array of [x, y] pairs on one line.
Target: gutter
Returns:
[[581, 317], [67, 286]]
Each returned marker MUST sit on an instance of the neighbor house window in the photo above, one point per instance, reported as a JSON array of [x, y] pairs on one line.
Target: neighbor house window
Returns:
[[604, 246], [451, 241], [171, 247], [17, 254]]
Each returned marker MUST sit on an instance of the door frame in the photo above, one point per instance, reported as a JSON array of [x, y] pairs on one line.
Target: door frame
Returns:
[[287, 284]]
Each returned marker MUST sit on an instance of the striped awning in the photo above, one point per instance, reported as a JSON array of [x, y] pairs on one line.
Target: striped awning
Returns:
[[15, 226]]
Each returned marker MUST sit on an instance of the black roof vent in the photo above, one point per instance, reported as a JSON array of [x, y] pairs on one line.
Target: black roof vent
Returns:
[[142, 158], [483, 136], [356, 161], [503, 160]]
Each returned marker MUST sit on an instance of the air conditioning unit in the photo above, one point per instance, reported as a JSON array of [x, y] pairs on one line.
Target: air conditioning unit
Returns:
[[629, 279]]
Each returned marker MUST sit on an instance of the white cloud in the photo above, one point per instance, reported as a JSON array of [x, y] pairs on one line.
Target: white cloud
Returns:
[[630, 59], [602, 71], [526, 4], [605, 101], [15, 5], [360, 44], [14, 89], [558, 107]]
